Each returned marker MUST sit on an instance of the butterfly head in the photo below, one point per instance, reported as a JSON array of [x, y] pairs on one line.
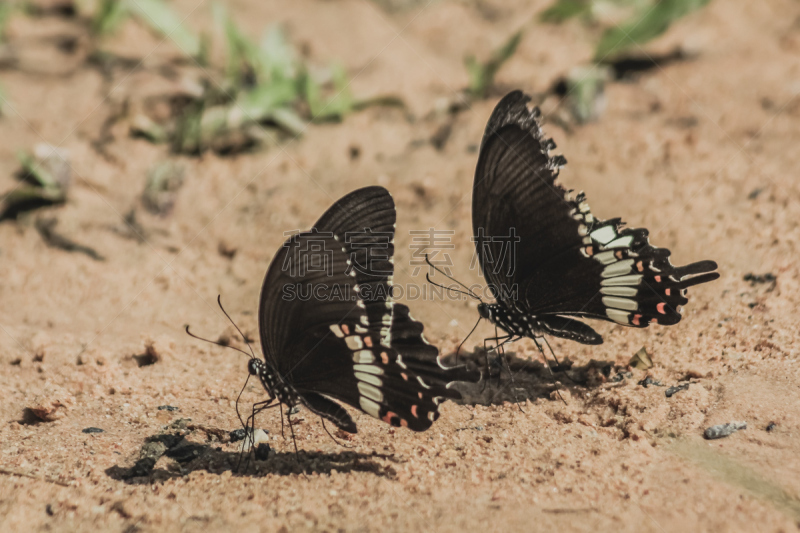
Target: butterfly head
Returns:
[[255, 367], [485, 310]]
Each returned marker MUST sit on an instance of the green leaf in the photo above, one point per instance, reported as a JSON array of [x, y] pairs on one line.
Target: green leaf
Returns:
[[563, 10], [108, 16], [481, 76], [339, 105], [648, 24], [6, 8], [162, 19]]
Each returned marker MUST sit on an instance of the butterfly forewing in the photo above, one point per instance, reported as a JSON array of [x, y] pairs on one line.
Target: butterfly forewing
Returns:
[[327, 339]]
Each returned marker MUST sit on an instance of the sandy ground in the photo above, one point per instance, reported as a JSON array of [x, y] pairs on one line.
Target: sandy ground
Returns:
[[678, 151]]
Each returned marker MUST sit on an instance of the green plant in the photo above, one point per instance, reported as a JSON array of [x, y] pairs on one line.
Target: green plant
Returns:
[[481, 75], [648, 19]]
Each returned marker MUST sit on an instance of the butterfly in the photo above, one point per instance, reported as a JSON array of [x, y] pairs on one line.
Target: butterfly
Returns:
[[331, 332], [546, 258]]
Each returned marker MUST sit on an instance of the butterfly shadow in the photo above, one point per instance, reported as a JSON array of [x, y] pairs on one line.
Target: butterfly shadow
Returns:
[[166, 456], [514, 379]]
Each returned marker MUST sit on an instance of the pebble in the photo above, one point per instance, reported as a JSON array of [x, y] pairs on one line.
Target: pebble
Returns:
[[646, 382], [723, 430], [676, 389], [92, 430], [262, 452], [259, 436], [168, 408]]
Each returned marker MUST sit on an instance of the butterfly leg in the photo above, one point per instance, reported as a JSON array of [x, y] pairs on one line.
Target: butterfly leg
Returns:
[[331, 436], [486, 350], [547, 363], [250, 429], [294, 440]]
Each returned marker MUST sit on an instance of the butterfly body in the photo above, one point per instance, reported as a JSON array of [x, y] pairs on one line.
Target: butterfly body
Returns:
[[550, 262], [513, 321], [272, 382]]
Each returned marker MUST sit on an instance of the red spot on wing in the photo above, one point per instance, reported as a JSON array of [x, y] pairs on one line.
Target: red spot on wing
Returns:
[[660, 308], [590, 250], [666, 291], [388, 417], [414, 411], [345, 329], [635, 320], [658, 279], [640, 266], [368, 342], [385, 358], [403, 423], [405, 376]]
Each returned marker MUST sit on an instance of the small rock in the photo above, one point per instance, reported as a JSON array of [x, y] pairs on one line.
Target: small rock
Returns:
[[238, 434], [769, 277], [723, 430], [169, 408], [677, 388], [226, 250], [771, 426], [262, 452], [163, 182], [49, 408], [646, 382], [92, 430], [258, 437]]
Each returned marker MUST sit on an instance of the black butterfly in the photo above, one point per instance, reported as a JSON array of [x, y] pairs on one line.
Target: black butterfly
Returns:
[[547, 258], [330, 330]]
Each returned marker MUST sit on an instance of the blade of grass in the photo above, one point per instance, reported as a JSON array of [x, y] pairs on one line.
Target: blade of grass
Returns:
[[162, 19], [481, 75], [563, 10], [648, 24]]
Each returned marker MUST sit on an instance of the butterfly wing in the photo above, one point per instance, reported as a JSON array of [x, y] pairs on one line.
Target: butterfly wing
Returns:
[[562, 260], [322, 337]]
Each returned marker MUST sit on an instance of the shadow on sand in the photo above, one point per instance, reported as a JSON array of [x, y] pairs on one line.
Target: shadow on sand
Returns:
[[177, 453], [509, 378]]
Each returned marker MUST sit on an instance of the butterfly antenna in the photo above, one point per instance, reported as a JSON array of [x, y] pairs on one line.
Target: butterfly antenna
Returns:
[[219, 301], [448, 276], [467, 337], [215, 342], [428, 277], [332, 437], [237, 402]]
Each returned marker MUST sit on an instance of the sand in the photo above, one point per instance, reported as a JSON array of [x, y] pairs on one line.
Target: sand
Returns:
[[702, 152]]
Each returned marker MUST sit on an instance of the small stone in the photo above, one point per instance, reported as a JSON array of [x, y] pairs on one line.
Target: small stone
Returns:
[[677, 388], [262, 452], [771, 426], [259, 436], [723, 430], [169, 408], [646, 382], [92, 430], [49, 408]]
